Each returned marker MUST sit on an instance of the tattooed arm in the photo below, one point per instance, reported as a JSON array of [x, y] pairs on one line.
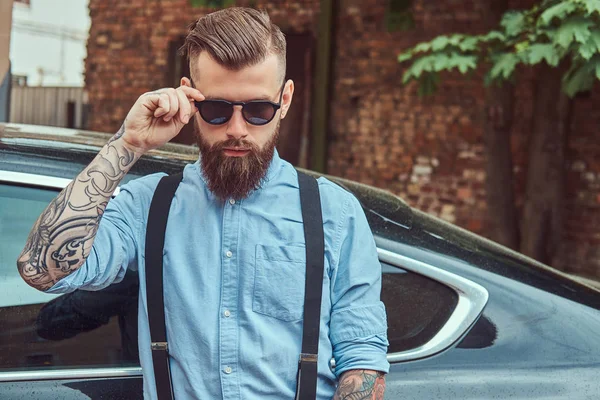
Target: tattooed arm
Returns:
[[360, 384], [62, 237]]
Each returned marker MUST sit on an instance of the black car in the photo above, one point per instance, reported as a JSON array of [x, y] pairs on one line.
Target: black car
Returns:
[[468, 319]]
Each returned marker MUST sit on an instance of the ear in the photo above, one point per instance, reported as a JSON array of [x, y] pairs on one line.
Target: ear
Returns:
[[288, 94], [186, 82]]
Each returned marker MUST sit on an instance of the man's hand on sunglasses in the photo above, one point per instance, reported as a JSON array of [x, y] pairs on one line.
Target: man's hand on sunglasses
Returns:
[[158, 116]]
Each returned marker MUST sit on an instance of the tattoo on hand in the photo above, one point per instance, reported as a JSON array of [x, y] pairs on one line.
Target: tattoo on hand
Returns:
[[361, 384], [119, 133], [63, 235]]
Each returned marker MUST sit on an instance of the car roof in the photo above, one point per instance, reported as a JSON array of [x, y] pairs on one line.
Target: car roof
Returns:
[[62, 153], [64, 138]]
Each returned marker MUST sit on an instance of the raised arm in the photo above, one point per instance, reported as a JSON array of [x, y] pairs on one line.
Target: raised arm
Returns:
[[63, 235], [361, 384]]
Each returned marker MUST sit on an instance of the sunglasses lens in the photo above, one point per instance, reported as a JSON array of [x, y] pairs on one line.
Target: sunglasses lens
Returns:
[[215, 112], [258, 112]]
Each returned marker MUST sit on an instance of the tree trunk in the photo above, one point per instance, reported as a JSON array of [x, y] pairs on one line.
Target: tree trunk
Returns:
[[544, 199], [499, 101], [502, 210]]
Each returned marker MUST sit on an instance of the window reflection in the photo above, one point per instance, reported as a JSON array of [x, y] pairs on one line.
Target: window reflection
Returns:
[[83, 311]]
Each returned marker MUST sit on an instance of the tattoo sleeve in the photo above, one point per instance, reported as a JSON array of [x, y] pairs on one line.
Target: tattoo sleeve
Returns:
[[63, 235], [361, 384]]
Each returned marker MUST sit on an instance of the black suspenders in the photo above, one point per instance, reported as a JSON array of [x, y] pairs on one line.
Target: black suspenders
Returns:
[[312, 219], [315, 248], [155, 242]]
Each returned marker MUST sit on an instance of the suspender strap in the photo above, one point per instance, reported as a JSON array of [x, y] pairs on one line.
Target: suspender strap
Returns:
[[313, 286], [155, 240]]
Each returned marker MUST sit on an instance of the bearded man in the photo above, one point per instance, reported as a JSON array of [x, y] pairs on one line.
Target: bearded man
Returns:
[[234, 249]]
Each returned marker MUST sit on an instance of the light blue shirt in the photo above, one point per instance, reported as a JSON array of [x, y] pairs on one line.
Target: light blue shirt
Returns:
[[234, 285]]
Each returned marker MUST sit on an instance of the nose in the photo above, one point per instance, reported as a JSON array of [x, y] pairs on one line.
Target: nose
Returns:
[[236, 127]]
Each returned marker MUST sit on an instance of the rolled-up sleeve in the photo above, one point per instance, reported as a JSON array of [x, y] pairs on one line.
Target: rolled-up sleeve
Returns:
[[358, 326], [116, 244]]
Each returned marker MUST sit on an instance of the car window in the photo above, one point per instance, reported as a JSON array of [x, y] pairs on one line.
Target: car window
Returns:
[[417, 307], [57, 331]]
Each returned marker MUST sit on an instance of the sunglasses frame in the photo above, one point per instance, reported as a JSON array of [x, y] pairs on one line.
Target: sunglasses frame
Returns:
[[276, 107]]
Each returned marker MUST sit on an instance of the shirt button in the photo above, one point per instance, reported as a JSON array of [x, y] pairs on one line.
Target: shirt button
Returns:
[[228, 370], [231, 201], [227, 313], [229, 254]]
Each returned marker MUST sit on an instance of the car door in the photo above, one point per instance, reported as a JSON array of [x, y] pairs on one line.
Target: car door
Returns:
[[71, 346]]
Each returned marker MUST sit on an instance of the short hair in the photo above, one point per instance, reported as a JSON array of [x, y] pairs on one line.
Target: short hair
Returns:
[[236, 37]]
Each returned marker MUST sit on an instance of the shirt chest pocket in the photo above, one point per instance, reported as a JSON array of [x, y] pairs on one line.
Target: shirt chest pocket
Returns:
[[279, 273]]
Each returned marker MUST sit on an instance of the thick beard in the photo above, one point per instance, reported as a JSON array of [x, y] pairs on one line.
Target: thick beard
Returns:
[[235, 177]]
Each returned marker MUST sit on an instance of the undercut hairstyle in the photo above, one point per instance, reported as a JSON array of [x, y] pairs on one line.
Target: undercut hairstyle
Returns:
[[236, 38]]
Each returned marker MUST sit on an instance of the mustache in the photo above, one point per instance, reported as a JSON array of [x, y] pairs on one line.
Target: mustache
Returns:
[[237, 143]]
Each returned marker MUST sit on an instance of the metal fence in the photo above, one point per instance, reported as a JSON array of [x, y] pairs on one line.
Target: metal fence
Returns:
[[45, 105]]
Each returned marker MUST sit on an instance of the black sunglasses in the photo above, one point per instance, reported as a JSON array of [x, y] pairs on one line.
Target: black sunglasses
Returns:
[[255, 112]]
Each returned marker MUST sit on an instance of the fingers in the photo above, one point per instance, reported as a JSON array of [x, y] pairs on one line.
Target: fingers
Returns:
[[173, 103], [185, 109], [168, 103], [161, 100], [187, 97], [192, 93], [164, 101]]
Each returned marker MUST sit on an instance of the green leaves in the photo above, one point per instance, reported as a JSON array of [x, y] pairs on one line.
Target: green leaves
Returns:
[[542, 51], [440, 62], [575, 28], [493, 35], [551, 31], [463, 63], [581, 76], [444, 53], [591, 6], [422, 47], [439, 43], [591, 46], [470, 43], [513, 22], [446, 42], [559, 11], [405, 56], [416, 70], [504, 66]]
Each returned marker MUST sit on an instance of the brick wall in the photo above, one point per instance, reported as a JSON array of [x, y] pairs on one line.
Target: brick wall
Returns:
[[128, 47], [427, 150], [430, 150]]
